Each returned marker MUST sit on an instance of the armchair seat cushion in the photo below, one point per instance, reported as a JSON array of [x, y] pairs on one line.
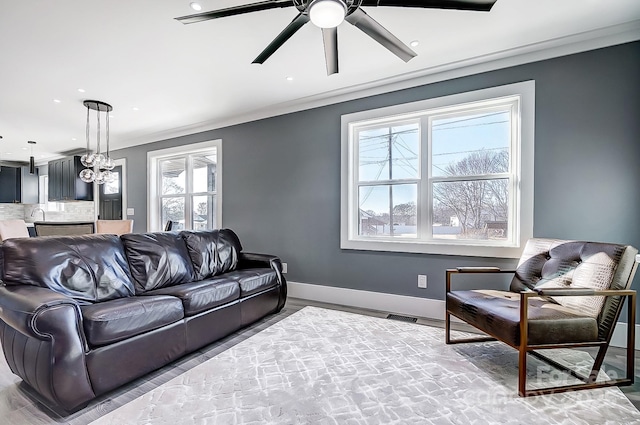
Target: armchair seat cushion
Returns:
[[254, 280], [111, 321], [203, 295], [498, 314]]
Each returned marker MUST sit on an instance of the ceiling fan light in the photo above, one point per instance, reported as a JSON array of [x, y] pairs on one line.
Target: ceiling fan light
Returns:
[[327, 13]]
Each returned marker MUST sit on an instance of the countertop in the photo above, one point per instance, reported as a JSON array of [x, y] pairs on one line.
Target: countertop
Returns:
[[62, 223]]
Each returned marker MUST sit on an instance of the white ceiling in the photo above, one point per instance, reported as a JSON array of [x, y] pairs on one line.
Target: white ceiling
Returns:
[[187, 78]]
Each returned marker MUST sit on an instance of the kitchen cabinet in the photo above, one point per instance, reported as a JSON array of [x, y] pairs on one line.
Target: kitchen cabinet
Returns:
[[64, 182], [18, 186]]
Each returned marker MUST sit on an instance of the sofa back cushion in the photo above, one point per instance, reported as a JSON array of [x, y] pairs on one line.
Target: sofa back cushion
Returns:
[[87, 268], [551, 263], [157, 260], [212, 252]]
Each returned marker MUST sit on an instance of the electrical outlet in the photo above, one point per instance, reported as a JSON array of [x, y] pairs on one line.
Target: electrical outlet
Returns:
[[422, 281], [284, 267]]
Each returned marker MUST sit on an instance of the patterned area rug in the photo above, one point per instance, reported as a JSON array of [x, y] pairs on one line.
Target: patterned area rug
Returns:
[[329, 367]]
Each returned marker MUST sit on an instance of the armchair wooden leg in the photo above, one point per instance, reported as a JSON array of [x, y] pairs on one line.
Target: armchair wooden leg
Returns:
[[631, 338], [522, 372], [522, 349]]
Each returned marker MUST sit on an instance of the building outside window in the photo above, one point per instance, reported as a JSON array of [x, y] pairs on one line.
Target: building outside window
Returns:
[[451, 175], [185, 187]]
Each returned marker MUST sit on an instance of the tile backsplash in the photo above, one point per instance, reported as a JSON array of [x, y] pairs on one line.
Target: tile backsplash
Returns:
[[11, 211], [70, 211]]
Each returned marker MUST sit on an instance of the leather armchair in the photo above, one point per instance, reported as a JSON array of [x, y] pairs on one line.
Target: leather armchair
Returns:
[[564, 294]]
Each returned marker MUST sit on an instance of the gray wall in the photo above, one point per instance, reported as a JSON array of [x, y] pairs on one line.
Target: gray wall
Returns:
[[281, 175]]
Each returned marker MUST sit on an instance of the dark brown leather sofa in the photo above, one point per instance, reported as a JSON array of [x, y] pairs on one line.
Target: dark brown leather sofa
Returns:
[[82, 315]]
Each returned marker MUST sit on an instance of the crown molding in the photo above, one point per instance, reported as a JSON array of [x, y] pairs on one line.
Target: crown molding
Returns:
[[548, 49]]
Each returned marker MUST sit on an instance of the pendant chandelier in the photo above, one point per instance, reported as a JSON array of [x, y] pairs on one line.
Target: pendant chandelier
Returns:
[[32, 160], [98, 165]]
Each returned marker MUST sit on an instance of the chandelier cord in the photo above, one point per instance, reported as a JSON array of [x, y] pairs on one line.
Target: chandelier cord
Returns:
[[98, 134], [88, 133], [107, 133]]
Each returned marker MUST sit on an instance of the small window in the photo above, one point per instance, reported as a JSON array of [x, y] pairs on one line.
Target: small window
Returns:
[[184, 187], [43, 197], [112, 187], [451, 175]]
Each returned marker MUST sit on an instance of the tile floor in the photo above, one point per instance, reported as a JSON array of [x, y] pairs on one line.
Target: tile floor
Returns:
[[17, 407]]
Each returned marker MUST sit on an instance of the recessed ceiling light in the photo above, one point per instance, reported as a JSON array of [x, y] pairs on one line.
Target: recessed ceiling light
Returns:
[[24, 149], [81, 90], [414, 43], [135, 108], [74, 139], [289, 78], [111, 116], [195, 6], [57, 100], [8, 153]]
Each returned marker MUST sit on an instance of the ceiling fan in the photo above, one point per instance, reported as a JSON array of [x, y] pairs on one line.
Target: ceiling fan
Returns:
[[328, 14]]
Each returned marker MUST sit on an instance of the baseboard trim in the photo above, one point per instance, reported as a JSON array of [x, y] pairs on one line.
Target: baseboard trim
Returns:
[[398, 304], [401, 304], [619, 338]]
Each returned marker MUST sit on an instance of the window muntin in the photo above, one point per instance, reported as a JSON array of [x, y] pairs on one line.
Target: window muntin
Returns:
[[462, 157]]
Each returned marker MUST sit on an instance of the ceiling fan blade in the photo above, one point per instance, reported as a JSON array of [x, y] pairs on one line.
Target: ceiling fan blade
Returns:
[[236, 10], [330, 39], [477, 5], [380, 34], [286, 34]]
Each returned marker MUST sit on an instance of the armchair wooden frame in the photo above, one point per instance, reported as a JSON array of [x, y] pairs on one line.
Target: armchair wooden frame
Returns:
[[525, 348]]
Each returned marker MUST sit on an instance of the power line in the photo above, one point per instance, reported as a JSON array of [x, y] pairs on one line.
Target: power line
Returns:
[[470, 125], [471, 118]]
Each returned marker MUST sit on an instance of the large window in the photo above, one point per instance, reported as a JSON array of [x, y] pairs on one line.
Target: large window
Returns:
[[184, 187], [451, 175]]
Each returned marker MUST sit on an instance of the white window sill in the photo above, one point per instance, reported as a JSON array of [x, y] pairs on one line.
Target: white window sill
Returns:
[[468, 249]]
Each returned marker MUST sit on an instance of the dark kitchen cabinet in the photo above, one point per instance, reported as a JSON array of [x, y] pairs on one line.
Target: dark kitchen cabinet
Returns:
[[65, 183], [9, 184], [18, 186]]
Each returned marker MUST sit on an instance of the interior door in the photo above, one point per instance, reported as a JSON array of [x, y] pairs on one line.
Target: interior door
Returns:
[[111, 197]]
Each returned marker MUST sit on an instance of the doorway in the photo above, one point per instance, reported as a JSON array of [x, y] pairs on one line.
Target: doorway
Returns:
[[110, 197]]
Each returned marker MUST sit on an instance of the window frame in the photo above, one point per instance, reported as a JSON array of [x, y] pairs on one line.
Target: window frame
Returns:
[[521, 166], [154, 185], [43, 196]]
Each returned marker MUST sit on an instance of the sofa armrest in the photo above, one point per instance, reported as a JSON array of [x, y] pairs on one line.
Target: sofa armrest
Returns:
[[44, 343], [249, 260], [21, 305]]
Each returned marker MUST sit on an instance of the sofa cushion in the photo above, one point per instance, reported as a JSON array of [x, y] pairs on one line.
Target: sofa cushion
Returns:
[[498, 313], [254, 280], [199, 296], [115, 320], [212, 252], [157, 260], [549, 263], [87, 268]]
